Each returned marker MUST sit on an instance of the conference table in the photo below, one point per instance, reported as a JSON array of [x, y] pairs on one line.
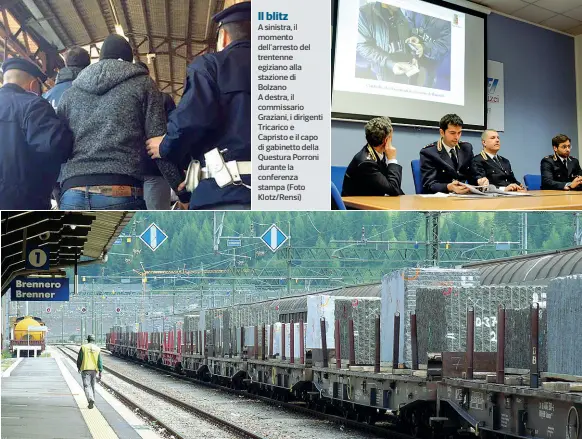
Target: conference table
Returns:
[[539, 200]]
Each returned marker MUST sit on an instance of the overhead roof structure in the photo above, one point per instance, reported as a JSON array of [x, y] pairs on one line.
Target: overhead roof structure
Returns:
[[164, 34], [538, 268], [22, 39], [67, 237]]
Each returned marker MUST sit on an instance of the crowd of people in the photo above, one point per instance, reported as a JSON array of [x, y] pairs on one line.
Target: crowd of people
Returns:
[[105, 137], [447, 164]]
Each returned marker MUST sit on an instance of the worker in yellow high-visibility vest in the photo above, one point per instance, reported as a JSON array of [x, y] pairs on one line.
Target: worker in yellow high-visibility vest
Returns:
[[89, 363]]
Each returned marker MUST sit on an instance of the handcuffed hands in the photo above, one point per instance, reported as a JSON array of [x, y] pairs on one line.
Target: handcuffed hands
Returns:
[[416, 46]]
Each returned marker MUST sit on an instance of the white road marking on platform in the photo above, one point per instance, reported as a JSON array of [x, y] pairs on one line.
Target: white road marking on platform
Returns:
[[8, 371]]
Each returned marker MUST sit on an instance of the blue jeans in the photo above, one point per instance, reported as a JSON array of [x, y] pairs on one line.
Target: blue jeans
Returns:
[[74, 199], [157, 193]]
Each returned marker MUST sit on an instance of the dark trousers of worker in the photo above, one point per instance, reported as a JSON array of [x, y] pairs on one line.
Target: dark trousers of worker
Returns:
[[89, 378]]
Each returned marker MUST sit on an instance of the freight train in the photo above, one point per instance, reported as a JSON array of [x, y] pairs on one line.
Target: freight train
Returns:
[[27, 337], [329, 350]]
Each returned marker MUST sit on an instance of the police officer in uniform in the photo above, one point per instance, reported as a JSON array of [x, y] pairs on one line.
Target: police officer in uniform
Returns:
[[374, 170], [34, 140], [490, 164], [447, 162], [560, 171], [212, 122]]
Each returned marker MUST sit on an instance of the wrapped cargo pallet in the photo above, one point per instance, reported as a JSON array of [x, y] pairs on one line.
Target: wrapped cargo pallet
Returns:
[[296, 340], [518, 338], [442, 320], [399, 295], [362, 310], [564, 305], [276, 340]]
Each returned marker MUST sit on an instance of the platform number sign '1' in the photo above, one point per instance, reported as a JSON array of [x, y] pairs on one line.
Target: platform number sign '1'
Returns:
[[36, 258]]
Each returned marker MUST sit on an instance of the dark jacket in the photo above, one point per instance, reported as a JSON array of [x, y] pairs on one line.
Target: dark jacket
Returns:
[[34, 143], [65, 79], [368, 175], [435, 36], [437, 170], [112, 108], [556, 174], [152, 168], [215, 111], [499, 175], [382, 37]]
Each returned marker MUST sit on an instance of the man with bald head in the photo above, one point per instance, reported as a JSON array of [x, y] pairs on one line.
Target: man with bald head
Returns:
[[34, 140], [491, 165]]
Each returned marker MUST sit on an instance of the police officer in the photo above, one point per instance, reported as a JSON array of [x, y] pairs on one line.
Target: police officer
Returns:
[[34, 140], [76, 59], [490, 164], [88, 364], [212, 122], [374, 170], [448, 162], [560, 171]]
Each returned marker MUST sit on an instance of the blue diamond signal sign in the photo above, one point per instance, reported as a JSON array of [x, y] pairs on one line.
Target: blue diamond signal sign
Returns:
[[153, 237], [274, 238]]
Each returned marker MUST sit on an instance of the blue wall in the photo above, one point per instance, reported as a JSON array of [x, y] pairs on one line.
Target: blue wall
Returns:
[[540, 102]]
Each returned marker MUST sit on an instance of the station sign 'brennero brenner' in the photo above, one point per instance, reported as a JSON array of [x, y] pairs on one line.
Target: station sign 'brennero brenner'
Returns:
[[39, 289]]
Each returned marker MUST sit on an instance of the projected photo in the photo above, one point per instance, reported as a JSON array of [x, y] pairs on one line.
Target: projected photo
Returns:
[[396, 45]]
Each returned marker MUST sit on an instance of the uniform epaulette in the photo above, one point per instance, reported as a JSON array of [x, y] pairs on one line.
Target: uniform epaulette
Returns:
[[429, 145], [371, 155]]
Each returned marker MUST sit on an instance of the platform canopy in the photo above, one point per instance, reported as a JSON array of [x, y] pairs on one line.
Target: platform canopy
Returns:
[[85, 237], [165, 34]]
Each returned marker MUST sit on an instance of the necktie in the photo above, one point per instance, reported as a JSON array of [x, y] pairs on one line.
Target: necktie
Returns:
[[454, 158]]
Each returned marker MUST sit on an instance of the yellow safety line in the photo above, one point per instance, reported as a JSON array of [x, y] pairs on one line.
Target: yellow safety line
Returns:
[[138, 424], [98, 426]]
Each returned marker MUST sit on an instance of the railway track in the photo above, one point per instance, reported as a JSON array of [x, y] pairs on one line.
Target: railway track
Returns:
[[382, 432], [219, 422]]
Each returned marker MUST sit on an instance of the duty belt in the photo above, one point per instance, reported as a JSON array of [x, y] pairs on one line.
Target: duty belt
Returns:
[[235, 168]]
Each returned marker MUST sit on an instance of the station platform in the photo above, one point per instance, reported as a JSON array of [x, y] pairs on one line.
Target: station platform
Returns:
[[43, 398]]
